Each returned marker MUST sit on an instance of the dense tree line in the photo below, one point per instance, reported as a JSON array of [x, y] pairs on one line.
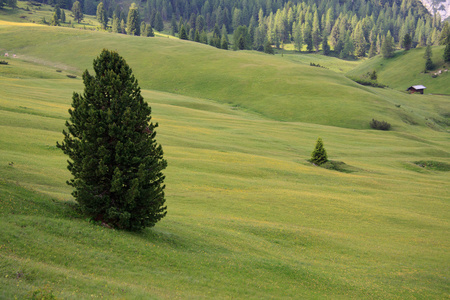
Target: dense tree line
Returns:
[[349, 27]]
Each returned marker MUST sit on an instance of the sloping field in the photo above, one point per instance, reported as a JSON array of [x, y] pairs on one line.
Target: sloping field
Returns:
[[406, 68], [248, 216], [273, 87]]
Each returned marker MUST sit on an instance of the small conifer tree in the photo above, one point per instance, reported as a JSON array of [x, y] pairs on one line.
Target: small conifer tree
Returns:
[[113, 155], [319, 155], [447, 53]]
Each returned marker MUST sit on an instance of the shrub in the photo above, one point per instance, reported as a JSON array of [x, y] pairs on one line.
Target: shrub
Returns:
[[319, 155], [380, 125]]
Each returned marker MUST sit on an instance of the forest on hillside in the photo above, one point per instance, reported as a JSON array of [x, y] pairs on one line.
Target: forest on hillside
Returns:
[[351, 28]]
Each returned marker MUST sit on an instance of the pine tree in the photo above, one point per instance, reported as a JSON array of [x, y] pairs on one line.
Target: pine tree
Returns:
[[63, 16], [387, 46], [406, 42], [183, 33], [447, 53], [224, 44], [325, 46], [428, 62], [114, 159], [76, 11], [268, 48], [133, 20], [319, 155], [159, 24], [54, 21]]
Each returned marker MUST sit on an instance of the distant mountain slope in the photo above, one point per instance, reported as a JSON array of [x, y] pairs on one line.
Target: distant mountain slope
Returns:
[[441, 6]]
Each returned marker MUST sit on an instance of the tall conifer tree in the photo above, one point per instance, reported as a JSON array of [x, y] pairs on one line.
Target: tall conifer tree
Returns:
[[113, 155]]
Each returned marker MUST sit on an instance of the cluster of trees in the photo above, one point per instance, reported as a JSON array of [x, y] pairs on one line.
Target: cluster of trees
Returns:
[[10, 3], [352, 28]]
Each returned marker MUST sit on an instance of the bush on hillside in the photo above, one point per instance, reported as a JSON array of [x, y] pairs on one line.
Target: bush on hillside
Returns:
[[319, 155], [380, 125]]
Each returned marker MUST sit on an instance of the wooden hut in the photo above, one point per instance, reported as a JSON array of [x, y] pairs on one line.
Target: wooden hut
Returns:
[[416, 89]]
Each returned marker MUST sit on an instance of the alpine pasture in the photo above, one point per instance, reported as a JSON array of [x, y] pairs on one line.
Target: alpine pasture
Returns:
[[248, 215]]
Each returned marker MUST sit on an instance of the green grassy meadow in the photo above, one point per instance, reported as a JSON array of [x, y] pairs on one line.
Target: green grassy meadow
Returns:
[[406, 68], [248, 215]]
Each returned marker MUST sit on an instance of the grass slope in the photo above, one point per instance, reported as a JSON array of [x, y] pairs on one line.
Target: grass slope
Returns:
[[406, 68], [272, 86], [249, 217]]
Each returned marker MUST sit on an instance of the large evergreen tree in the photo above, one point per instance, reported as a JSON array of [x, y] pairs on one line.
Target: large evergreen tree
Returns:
[[113, 155]]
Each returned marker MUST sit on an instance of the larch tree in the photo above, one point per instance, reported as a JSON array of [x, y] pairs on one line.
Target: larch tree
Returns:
[[133, 20], [77, 13], [102, 16], [114, 159]]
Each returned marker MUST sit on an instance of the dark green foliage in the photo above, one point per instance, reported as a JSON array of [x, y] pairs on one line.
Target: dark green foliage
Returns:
[[224, 44], [241, 43], [114, 159], [63, 16], [433, 165], [406, 42], [55, 20], [183, 33], [133, 21], [76, 12], [380, 125], [428, 62], [149, 31], [268, 48], [367, 81], [159, 25], [339, 166], [447, 53], [387, 46], [325, 46], [58, 11], [319, 155]]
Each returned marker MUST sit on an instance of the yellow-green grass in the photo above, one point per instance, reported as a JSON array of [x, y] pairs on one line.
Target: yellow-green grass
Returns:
[[35, 15], [248, 216], [273, 87], [406, 68]]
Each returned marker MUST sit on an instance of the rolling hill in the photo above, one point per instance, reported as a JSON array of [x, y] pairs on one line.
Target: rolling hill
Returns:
[[248, 215]]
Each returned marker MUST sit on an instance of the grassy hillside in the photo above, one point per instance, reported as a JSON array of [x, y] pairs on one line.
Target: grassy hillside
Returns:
[[273, 87], [406, 68], [248, 216]]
